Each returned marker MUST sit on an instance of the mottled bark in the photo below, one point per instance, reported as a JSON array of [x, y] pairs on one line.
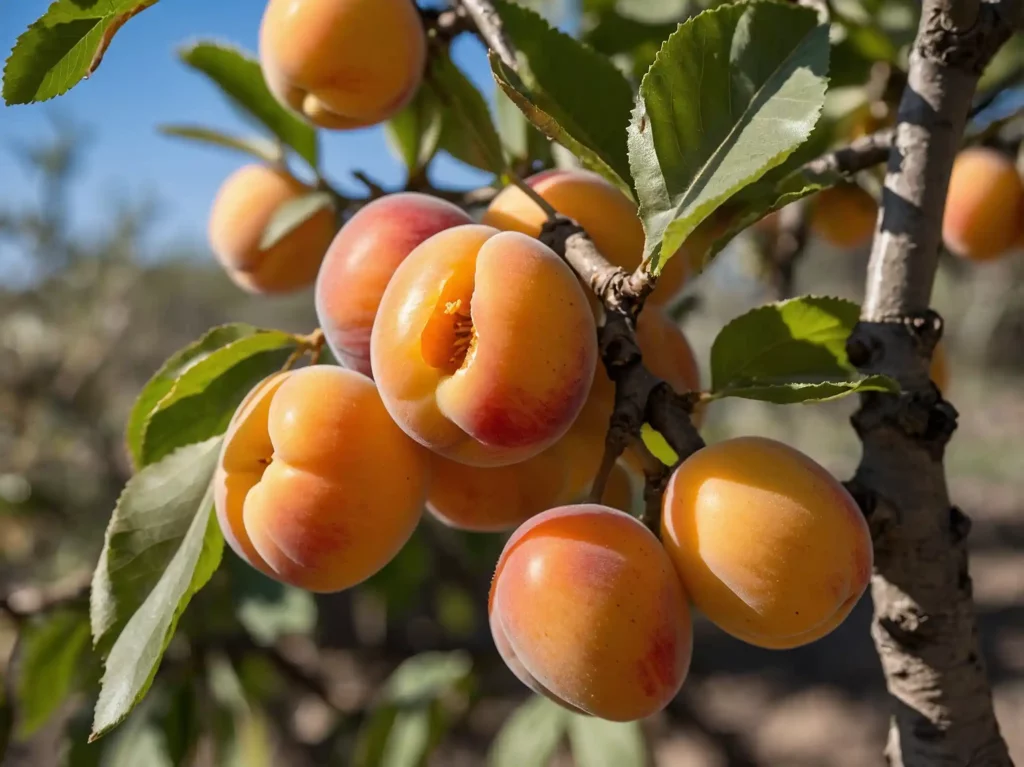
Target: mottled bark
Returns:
[[924, 626]]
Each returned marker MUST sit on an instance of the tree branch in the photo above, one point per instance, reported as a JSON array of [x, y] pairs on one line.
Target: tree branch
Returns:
[[863, 153], [924, 626]]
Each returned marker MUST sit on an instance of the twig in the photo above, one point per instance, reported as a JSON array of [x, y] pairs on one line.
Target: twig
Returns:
[[488, 24], [656, 477], [861, 154]]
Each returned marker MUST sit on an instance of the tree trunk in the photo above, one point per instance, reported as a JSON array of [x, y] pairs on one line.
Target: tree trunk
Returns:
[[924, 625]]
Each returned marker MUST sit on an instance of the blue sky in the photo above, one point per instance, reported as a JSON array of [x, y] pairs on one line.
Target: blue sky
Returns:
[[141, 84]]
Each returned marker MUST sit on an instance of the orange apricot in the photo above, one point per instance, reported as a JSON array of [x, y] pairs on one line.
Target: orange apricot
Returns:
[[608, 216], [984, 214], [244, 206], [343, 64], [769, 546], [844, 216], [316, 486], [361, 260], [484, 346], [586, 609]]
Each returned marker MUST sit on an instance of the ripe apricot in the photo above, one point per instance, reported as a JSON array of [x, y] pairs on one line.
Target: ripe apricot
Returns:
[[984, 214], [316, 486], [244, 205], [586, 609], [361, 260], [484, 346], [844, 216], [343, 63], [769, 546], [608, 216]]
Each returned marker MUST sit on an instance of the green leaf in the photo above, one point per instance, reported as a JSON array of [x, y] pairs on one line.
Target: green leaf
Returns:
[[731, 95], [237, 73], [162, 382], [63, 46], [51, 652], [531, 735], [293, 214], [267, 608], [261, 148], [409, 718], [599, 743], [521, 140], [204, 396], [426, 676], [467, 110], [569, 92], [414, 134], [153, 515], [790, 351], [658, 445], [135, 656]]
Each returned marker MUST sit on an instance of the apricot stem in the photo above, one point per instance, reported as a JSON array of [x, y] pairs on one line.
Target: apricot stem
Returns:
[[532, 193]]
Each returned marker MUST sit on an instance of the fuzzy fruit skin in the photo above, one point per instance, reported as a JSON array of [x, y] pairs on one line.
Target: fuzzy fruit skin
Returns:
[[769, 546], [488, 500], [343, 64], [586, 609], [361, 261], [984, 214], [844, 216], [244, 205], [528, 341], [315, 485], [607, 215]]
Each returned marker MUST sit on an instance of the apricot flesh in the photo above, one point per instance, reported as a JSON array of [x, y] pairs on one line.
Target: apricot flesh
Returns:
[[361, 261], [484, 346], [984, 213], [607, 215], [316, 486], [586, 609], [769, 546], [844, 216], [244, 206], [342, 64]]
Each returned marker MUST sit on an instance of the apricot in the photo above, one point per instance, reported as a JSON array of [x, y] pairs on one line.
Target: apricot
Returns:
[[984, 214], [241, 211], [361, 260], [607, 215], [769, 546], [484, 346], [482, 499], [586, 609], [316, 486], [343, 64], [844, 216]]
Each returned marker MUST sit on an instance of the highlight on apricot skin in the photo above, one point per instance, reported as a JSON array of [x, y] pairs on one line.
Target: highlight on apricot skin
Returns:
[[343, 64], [316, 486], [361, 261], [769, 546], [244, 206], [586, 609], [844, 216], [484, 346], [984, 214], [607, 215]]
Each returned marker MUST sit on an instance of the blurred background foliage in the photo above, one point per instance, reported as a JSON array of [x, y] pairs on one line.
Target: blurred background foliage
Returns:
[[402, 670]]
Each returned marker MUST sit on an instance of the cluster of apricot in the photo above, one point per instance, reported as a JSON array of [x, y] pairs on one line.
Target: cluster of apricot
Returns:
[[471, 387]]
